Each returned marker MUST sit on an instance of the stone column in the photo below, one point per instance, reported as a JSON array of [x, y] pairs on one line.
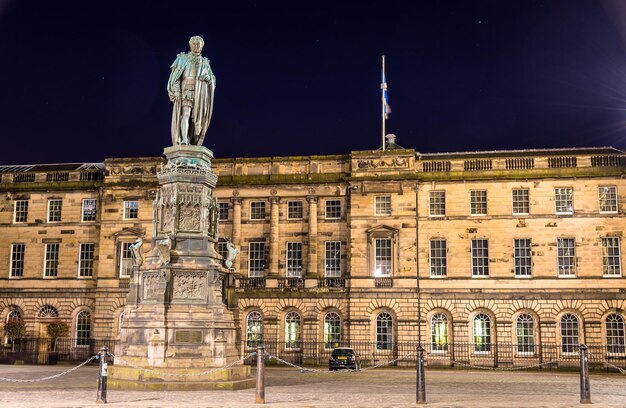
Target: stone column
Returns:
[[274, 229], [312, 265], [236, 238]]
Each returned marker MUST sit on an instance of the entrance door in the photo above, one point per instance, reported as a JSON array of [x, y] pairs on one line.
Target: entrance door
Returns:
[[44, 344]]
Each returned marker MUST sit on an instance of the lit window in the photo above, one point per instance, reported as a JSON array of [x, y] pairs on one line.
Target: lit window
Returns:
[[126, 259], [256, 259], [523, 257], [54, 210], [294, 210], [21, 211], [482, 333], [437, 203], [83, 328], [525, 329], [611, 259], [51, 262], [332, 261], [294, 259], [566, 257], [333, 209], [131, 210], [480, 257], [383, 205], [292, 330], [615, 340], [608, 199], [478, 202], [85, 261], [382, 259], [254, 330], [439, 333], [89, 210], [223, 211], [563, 200], [384, 331], [17, 260], [569, 333], [332, 330], [438, 261], [257, 210], [521, 202]]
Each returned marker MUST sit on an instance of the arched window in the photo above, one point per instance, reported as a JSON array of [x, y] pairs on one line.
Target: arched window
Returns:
[[119, 322], [439, 332], [14, 315], [292, 330], [569, 333], [47, 312], [254, 329], [615, 334], [525, 334], [332, 330], [482, 333], [83, 328], [384, 331]]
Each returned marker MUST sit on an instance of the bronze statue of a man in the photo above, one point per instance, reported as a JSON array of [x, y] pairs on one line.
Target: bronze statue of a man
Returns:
[[191, 87]]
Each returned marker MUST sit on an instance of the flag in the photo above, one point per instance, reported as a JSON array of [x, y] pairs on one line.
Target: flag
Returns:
[[383, 86]]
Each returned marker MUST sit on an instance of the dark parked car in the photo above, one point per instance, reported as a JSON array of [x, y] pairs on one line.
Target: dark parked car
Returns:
[[343, 357]]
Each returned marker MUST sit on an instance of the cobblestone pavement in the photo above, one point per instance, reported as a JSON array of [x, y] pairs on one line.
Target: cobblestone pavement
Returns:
[[289, 388]]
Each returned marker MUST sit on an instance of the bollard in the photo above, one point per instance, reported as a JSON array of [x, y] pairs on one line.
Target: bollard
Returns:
[[260, 376], [420, 391], [102, 376], [585, 391]]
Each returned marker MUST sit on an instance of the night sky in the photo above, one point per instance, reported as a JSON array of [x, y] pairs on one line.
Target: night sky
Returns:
[[84, 81]]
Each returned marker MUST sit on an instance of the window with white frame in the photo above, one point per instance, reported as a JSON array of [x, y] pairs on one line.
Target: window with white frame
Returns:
[[254, 330], [566, 256], [126, 259], [14, 315], [525, 334], [480, 257], [332, 259], [615, 340], [51, 261], [607, 196], [563, 200], [55, 207], [382, 257], [439, 333], [332, 330], [438, 258], [482, 333], [384, 331], [292, 330], [294, 259], [521, 201], [611, 259], [47, 312], [295, 210], [436, 203], [522, 256], [17, 260], [89, 209], [20, 213], [256, 259], [131, 210], [569, 333], [83, 328], [257, 210], [85, 260], [223, 211], [382, 205], [333, 209], [478, 202]]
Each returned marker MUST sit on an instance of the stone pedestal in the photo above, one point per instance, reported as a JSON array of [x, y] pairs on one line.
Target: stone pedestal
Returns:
[[175, 320]]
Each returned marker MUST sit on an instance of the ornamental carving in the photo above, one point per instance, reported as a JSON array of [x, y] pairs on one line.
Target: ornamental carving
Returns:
[[154, 285], [189, 285], [189, 217], [374, 164], [133, 170]]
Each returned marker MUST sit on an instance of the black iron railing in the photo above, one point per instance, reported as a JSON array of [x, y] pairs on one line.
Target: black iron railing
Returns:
[[47, 351]]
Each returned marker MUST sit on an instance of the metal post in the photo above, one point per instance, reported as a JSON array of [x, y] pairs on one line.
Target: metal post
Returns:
[[102, 376], [259, 398], [420, 391], [585, 391]]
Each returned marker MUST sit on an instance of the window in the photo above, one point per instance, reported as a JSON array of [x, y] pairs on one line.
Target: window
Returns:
[[51, 262], [21, 211], [332, 330], [294, 259], [332, 261], [333, 209], [256, 259], [89, 210], [48, 312], [523, 257], [478, 202], [566, 257], [17, 260], [438, 257], [615, 342], [222, 249], [563, 200], [120, 322], [126, 259], [254, 330], [608, 199], [223, 211], [482, 333], [525, 333], [85, 261], [480, 257], [521, 202], [14, 316], [569, 333], [437, 203], [83, 328], [292, 330], [131, 210], [384, 331], [294, 210], [382, 257], [257, 210], [611, 259], [382, 205], [439, 333], [54, 210]]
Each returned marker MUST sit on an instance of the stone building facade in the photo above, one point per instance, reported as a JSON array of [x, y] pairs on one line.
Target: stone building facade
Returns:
[[521, 247]]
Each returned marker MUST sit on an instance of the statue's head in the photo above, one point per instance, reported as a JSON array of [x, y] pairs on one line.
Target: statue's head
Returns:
[[195, 44]]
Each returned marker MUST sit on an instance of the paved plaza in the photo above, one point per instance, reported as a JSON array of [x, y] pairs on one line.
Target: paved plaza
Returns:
[[289, 388]]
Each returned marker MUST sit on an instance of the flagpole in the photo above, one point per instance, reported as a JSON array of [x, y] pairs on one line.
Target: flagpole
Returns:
[[382, 98]]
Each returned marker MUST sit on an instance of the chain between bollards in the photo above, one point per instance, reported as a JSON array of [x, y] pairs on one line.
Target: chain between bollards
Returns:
[[259, 398], [102, 376], [420, 389], [585, 391]]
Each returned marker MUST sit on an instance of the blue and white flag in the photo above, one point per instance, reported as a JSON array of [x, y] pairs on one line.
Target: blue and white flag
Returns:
[[383, 86]]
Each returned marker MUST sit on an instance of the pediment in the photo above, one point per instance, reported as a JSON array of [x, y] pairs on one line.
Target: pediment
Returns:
[[129, 232]]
